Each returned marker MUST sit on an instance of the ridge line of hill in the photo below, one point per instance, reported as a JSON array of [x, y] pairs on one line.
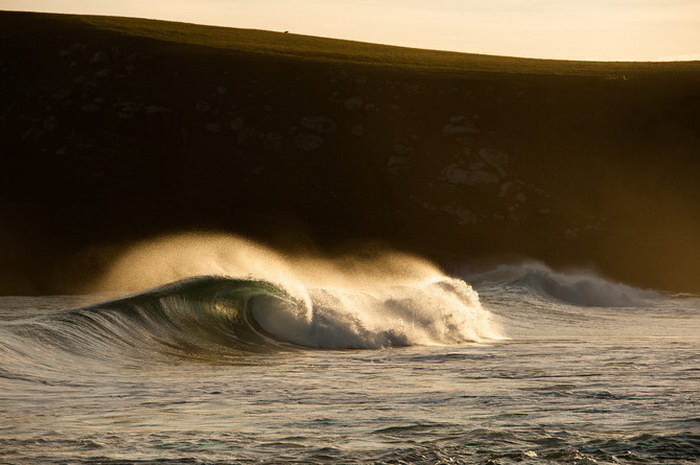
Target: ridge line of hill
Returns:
[[342, 51]]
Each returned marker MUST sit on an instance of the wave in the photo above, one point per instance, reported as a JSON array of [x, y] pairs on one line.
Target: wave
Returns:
[[575, 288], [216, 294], [213, 314]]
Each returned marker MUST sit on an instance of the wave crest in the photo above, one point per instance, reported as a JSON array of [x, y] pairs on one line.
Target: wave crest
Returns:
[[577, 288]]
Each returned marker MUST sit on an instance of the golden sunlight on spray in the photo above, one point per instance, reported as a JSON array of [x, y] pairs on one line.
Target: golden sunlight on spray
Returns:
[[387, 293]]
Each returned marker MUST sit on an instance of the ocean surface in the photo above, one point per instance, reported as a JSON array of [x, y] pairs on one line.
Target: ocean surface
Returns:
[[519, 364]]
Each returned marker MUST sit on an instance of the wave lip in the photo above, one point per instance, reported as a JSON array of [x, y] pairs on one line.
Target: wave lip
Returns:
[[583, 289]]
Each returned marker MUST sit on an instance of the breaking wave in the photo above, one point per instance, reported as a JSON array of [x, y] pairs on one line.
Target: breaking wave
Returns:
[[579, 288], [259, 300], [210, 313]]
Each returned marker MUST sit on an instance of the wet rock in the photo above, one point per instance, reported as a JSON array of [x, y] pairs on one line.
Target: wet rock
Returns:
[[115, 52], [458, 130], [453, 130], [156, 110], [426, 205], [103, 73], [61, 94], [126, 110], [354, 103], [505, 188], [476, 165], [32, 134], [308, 142], [361, 80], [482, 178], [213, 127], [250, 136], [398, 164], [50, 123], [99, 58], [126, 115], [320, 124], [401, 149], [496, 159], [89, 86], [273, 141], [455, 174], [90, 108], [464, 215], [236, 124], [358, 130]]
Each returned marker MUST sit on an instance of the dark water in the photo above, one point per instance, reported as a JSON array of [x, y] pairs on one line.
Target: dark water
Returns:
[[203, 372]]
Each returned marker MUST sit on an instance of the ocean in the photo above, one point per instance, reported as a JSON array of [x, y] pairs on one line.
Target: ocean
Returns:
[[395, 363]]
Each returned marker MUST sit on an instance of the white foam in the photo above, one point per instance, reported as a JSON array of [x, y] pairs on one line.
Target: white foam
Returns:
[[446, 311], [582, 288]]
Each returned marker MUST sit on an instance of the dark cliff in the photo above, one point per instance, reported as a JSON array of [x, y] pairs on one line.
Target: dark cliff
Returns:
[[116, 129]]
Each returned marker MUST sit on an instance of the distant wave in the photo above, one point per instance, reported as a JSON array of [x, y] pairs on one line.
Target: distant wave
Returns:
[[576, 288], [224, 315]]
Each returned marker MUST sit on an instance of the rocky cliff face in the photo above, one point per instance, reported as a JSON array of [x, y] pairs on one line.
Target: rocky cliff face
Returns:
[[109, 137]]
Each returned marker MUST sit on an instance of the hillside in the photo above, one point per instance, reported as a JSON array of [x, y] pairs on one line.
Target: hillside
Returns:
[[115, 129]]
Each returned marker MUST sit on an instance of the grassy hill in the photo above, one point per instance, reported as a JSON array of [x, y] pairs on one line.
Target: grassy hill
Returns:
[[115, 129], [344, 52]]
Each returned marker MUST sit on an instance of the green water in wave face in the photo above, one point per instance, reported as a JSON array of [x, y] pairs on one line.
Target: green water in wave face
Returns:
[[204, 314], [574, 385]]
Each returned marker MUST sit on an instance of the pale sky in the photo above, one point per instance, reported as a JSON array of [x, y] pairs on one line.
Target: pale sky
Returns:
[[573, 29]]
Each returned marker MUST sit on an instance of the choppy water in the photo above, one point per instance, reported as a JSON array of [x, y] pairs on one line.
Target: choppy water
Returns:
[[541, 367]]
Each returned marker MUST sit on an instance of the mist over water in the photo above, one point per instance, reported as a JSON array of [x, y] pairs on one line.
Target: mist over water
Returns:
[[215, 349]]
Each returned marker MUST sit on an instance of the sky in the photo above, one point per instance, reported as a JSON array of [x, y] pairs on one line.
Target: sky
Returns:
[[644, 30]]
